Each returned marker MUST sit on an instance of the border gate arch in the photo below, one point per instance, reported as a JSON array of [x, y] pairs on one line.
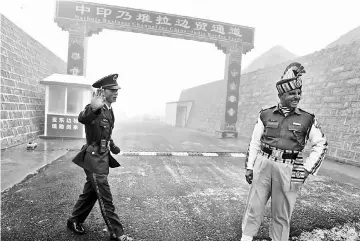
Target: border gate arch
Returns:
[[83, 19]]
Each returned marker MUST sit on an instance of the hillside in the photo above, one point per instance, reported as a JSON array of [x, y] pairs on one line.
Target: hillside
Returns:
[[274, 56], [346, 38]]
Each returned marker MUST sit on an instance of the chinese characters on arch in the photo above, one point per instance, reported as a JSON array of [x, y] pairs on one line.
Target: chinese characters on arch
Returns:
[[177, 26]]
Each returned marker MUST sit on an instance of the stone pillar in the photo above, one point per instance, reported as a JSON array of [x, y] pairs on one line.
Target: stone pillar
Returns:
[[79, 32], [232, 75]]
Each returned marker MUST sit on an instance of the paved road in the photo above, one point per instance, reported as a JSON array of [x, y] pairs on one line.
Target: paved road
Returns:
[[18, 162], [165, 198]]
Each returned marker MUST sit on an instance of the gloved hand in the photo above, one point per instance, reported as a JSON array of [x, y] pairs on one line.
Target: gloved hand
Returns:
[[114, 148], [249, 176]]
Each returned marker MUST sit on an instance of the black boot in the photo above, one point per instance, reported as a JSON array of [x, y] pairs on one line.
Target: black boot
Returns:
[[76, 227]]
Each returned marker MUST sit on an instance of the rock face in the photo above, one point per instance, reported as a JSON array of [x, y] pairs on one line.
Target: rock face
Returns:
[[274, 56], [347, 38], [24, 61]]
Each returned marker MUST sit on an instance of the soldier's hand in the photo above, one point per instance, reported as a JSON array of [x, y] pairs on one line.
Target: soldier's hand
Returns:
[[98, 100], [249, 176], [114, 149]]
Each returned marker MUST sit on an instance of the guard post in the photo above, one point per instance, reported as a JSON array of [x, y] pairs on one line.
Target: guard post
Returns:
[[65, 97]]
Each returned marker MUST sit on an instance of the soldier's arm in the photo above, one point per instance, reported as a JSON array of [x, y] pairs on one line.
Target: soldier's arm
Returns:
[[319, 147], [254, 145], [87, 115]]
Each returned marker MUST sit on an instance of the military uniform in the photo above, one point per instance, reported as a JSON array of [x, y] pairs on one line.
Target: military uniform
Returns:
[[275, 156], [95, 158]]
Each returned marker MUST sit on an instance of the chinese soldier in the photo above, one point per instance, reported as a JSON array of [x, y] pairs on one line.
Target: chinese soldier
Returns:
[[95, 158], [274, 164]]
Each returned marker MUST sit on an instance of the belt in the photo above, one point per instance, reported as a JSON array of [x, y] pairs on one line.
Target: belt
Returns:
[[97, 143], [279, 155]]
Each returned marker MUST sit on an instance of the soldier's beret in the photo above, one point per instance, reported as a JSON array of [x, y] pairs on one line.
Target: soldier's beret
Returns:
[[291, 79], [107, 82]]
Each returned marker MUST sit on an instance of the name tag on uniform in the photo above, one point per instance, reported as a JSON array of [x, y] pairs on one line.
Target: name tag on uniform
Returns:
[[296, 124]]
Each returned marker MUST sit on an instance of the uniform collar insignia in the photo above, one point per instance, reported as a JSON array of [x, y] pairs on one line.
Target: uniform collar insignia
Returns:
[[108, 107]]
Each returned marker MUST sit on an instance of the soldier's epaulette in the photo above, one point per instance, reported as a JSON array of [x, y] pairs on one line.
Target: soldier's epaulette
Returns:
[[272, 107], [306, 112]]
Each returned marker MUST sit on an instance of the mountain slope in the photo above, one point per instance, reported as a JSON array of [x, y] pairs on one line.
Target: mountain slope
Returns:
[[347, 38], [271, 57]]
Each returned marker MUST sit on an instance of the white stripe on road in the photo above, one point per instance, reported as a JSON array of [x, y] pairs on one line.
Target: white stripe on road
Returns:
[[147, 153], [210, 154], [179, 154], [184, 153], [237, 154]]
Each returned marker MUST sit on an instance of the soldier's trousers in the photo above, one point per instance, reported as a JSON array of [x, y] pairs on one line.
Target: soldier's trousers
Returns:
[[97, 188], [270, 179]]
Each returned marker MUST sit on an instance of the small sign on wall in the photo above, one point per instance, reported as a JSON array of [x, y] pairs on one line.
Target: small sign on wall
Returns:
[[64, 126]]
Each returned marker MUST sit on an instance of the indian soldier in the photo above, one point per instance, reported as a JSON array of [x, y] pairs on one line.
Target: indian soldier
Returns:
[[95, 158], [274, 164]]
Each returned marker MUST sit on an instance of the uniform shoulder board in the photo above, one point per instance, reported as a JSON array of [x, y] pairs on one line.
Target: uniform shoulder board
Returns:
[[272, 107], [306, 112], [264, 109]]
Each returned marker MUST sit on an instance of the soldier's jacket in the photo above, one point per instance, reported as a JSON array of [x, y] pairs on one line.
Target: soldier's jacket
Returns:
[[98, 126], [288, 133]]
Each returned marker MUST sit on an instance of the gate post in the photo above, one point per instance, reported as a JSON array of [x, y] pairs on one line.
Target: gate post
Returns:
[[232, 75], [79, 32], [77, 49]]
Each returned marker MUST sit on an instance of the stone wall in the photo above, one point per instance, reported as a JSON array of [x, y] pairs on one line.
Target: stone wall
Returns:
[[24, 62], [331, 91]]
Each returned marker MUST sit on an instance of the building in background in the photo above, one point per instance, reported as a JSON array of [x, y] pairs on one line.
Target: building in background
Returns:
[[177, 113]]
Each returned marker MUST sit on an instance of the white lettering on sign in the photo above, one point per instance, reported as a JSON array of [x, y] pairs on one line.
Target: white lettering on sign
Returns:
[[162, 20], [75, 71], [75, 41], [124, 15], [144, 17], [234, 72], [61, 119], [75, 121], [75, 127], [182, 23], [200, 26], [235, 31], [68, 120], [53, 119], [103, 11], [61, 126], [54, 126], [75, 56], [68, 127], [82, 9], [218, 28]]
